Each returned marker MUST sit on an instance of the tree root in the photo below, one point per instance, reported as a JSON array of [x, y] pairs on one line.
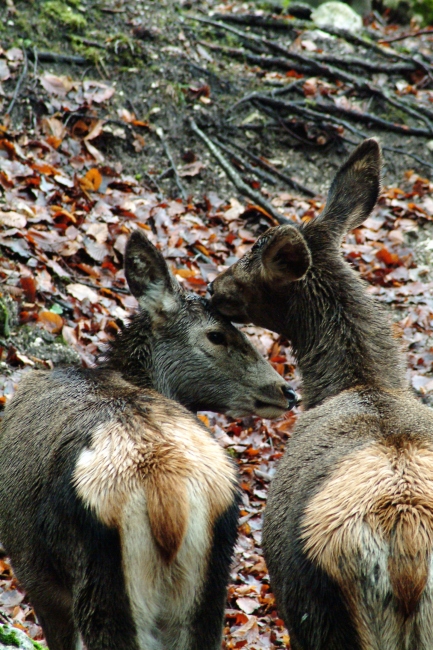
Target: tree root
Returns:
[[235, 178]]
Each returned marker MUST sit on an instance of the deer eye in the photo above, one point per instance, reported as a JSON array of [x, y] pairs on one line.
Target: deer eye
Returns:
[[217, 338]]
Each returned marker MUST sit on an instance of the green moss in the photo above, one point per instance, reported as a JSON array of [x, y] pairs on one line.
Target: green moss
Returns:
[[125, 51], [38, 646], [9, 637], [62, 13], [92, 54], [425, 9], [4, 320]]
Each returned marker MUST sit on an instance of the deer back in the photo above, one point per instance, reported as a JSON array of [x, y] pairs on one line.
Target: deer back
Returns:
[[348, 533], [117, 507]]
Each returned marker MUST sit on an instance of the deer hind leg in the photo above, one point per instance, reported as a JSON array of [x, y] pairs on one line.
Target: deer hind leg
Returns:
[[101, 604], [57, 622], [195, 617]]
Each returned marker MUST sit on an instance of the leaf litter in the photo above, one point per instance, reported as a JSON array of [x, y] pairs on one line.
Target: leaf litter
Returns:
[[64, 222]]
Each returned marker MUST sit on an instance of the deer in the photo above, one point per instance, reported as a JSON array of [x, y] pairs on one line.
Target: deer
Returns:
[[117, 507], [348, 524]]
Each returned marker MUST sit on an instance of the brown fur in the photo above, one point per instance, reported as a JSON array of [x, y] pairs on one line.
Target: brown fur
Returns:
[[117, 507], [159, 459], [348, 528], [389, 488]]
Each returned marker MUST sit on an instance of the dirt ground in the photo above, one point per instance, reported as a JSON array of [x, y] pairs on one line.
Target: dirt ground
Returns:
[[166, 68]]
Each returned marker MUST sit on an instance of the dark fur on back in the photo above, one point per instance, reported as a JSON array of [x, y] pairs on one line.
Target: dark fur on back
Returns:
[[117, 507], [348, 529]]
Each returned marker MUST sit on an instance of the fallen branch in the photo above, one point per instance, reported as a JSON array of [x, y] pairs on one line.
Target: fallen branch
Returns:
[[315, 67], [420, 32], [355, 61], [253, 170], [322, 108], [273, 170], [18, 86], [311, 65], [57, 58], [237, 181], [160, 133], [302, 25]]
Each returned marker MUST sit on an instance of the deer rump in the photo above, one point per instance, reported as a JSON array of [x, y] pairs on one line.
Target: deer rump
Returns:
[[126, 506], [363, 539]]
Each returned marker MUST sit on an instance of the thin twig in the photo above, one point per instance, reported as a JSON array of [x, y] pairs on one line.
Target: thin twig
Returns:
[[420, 32], [160, 133], [237, 181], [271, 169], [58, 58], [253, 170], [153, 182], [18, 86]]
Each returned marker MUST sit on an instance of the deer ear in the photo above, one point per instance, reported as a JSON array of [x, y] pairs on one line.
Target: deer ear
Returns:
[[148, 276], [355, 189], [285, 255]]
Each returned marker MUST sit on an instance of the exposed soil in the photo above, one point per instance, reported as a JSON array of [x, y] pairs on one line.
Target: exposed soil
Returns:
[[165, 69]]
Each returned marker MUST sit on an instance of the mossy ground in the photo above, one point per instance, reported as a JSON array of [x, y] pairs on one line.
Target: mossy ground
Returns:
[[8, 637]]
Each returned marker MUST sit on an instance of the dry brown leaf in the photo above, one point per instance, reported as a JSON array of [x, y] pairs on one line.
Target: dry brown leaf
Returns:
[[93, 178], [50, 321], [12, 219], [56, 85]]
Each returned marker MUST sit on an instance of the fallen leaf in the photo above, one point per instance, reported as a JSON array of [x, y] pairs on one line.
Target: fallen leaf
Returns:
[[192, 169], [5, 73], [82, 292], [50, 321], [56, 85], [247, 605], [12, 219], [93, 178], [95, 91]]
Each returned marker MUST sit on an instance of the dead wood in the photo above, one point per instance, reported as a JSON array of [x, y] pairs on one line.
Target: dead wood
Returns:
[[235, 178], [271, 169], [160, 133], [55, 57], [327, 109], [18, 86], [420, 32], [302, 25]]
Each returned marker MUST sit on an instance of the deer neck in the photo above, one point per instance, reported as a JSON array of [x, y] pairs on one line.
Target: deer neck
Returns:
[[131, 354], [340, 337]]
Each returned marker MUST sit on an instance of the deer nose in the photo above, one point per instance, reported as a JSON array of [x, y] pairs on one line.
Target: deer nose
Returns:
[[210, 288], [291, 396]]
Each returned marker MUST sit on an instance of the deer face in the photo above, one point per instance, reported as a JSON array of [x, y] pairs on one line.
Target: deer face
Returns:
[[197, 356], [249, 290], [287, 269]]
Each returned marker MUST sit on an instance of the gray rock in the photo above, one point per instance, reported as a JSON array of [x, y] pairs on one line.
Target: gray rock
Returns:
[[337, 14]]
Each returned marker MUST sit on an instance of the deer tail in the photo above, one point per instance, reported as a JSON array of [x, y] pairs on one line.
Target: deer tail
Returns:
[[409, 558], [168, 511]]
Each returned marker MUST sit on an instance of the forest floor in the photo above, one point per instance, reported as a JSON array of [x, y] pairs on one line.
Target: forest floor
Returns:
[[104, 107]]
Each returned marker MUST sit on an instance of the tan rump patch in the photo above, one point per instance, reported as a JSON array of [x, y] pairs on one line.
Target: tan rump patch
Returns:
[[381, 494], [161, 460]]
